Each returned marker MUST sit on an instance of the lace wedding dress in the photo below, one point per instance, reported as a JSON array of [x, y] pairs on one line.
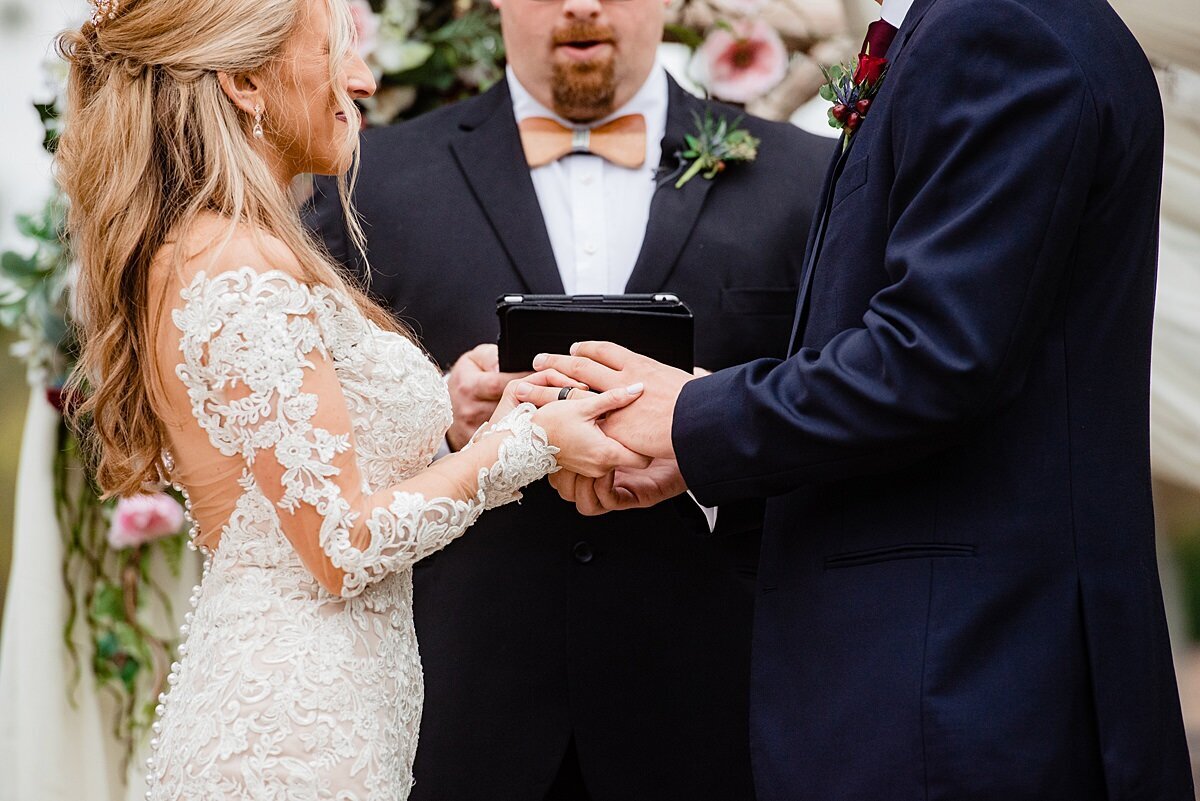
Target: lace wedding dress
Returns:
[[299, 677]]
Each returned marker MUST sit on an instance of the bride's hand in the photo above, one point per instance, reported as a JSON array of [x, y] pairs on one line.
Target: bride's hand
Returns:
[[546, 378], [574, 428]]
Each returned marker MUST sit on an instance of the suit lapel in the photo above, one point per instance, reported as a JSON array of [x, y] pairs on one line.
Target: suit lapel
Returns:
[[911, 20], [915, 14], [816, 237], [673, 212], [489, 154]]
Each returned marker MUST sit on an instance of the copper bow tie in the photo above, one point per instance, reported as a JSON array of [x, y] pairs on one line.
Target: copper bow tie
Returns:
[[621, 142]]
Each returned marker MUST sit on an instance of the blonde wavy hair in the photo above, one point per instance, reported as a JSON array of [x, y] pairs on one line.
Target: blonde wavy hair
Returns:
[[151, 143]]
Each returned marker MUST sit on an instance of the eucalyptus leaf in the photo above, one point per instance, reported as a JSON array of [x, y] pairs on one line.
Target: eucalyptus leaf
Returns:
[[108, 603], [17, 266], [172, 549]]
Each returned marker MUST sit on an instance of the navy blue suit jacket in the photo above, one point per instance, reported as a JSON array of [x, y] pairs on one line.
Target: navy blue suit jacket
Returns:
[[958, 596]]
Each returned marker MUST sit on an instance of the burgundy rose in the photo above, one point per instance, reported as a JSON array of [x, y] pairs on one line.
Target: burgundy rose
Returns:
[[869, 70]]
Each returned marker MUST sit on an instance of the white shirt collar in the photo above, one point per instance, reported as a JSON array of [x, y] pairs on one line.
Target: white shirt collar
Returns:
[[894, 11], [650, 101]]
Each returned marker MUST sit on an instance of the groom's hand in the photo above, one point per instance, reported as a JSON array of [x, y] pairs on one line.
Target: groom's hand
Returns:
[[645, 426], [476, 386], [624, 488]]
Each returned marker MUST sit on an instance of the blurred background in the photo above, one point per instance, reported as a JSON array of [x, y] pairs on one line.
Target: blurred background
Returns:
[[433, 52]]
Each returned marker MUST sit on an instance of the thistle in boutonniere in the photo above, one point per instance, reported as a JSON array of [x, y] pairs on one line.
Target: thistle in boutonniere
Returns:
[[852, 89], [715, 144]]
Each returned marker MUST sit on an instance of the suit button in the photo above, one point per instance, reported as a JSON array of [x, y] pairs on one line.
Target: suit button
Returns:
[[582, 553]]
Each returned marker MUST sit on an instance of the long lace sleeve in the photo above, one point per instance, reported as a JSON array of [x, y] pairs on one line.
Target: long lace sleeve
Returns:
[[264, 388]]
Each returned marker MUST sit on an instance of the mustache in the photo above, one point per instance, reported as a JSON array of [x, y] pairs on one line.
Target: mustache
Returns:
[[583, 32]]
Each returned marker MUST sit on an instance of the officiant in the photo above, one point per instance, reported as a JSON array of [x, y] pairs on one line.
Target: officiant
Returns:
[[571, 657]]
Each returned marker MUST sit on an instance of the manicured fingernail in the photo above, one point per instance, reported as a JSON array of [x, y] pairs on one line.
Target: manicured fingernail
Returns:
[[635, 389], [538, 361], [574, 348], [524, 388]]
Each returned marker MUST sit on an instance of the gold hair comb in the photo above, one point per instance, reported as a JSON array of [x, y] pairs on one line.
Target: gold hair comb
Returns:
[[103, 10]]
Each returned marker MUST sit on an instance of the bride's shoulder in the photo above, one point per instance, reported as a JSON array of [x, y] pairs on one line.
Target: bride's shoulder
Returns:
[[211, 249]]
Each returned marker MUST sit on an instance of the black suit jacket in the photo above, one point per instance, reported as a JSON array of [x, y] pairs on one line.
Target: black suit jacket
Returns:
[[958, 594], [631, 632]]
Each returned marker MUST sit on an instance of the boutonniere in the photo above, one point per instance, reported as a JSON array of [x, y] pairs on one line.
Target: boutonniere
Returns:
[[852, 88], [716, 144]]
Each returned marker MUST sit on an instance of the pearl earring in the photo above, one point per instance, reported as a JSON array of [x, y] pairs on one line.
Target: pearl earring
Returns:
[[258, 115]]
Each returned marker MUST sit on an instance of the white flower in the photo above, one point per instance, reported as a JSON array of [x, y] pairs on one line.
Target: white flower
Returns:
[[741, 62], [399, 18], [393, 55], [293, 451]]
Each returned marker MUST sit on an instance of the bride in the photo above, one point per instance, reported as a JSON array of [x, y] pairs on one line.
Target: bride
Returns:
[[223, 352]]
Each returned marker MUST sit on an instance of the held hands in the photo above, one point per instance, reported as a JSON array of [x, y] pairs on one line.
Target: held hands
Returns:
[[574, 428], [648, 423], [644, 427], [624, 488]]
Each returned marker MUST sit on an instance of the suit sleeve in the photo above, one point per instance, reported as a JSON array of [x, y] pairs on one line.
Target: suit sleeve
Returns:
[[994, 141]]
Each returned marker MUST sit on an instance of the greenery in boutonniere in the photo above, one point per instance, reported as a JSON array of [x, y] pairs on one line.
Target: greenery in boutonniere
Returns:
[[851, 88], [715, 144]]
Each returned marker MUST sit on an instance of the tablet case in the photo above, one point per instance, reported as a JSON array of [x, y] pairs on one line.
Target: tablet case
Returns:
[[659, 326]]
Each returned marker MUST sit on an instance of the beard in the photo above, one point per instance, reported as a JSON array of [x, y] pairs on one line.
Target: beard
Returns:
[[584, 91]]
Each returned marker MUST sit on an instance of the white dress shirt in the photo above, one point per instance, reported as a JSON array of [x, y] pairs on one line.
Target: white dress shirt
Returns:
[[596, 212], [894, 12]]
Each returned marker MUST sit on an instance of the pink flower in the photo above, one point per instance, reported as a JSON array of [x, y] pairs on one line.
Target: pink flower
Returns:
[[742, 61], [366, 26], [140, 519]]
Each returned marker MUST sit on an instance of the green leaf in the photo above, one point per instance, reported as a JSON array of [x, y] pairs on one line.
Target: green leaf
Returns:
[[18, 267], [32, 227], [109, 603], [128, 673], [827, 92], [172, 549], [684, 35]]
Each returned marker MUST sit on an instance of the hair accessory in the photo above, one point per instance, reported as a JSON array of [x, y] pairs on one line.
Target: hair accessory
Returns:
[[258, 131], [103, 10]]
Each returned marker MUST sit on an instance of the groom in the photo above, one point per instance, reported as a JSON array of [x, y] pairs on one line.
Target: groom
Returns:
[[958, 596]]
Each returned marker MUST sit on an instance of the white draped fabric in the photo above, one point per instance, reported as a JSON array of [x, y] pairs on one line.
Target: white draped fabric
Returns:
[[1169, 31], [55, 746]]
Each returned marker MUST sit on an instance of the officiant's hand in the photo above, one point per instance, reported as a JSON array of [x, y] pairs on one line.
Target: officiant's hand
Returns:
[[476, 386], [644, 427], [624, 488]]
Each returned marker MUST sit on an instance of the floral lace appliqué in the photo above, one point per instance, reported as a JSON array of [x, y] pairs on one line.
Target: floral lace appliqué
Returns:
[[283, 690]]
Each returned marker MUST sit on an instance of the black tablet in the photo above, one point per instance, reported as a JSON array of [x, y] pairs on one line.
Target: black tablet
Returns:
[[659, 326]]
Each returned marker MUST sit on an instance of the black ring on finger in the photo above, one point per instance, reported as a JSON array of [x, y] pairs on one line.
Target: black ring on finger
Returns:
[[564, 392]]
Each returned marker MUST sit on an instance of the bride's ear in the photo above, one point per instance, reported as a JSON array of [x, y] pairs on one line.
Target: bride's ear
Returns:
[[244, 90]]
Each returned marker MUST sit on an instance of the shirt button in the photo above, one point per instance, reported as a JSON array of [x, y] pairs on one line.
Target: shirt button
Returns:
[[586, 180], [582, 553], [590, 248]]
